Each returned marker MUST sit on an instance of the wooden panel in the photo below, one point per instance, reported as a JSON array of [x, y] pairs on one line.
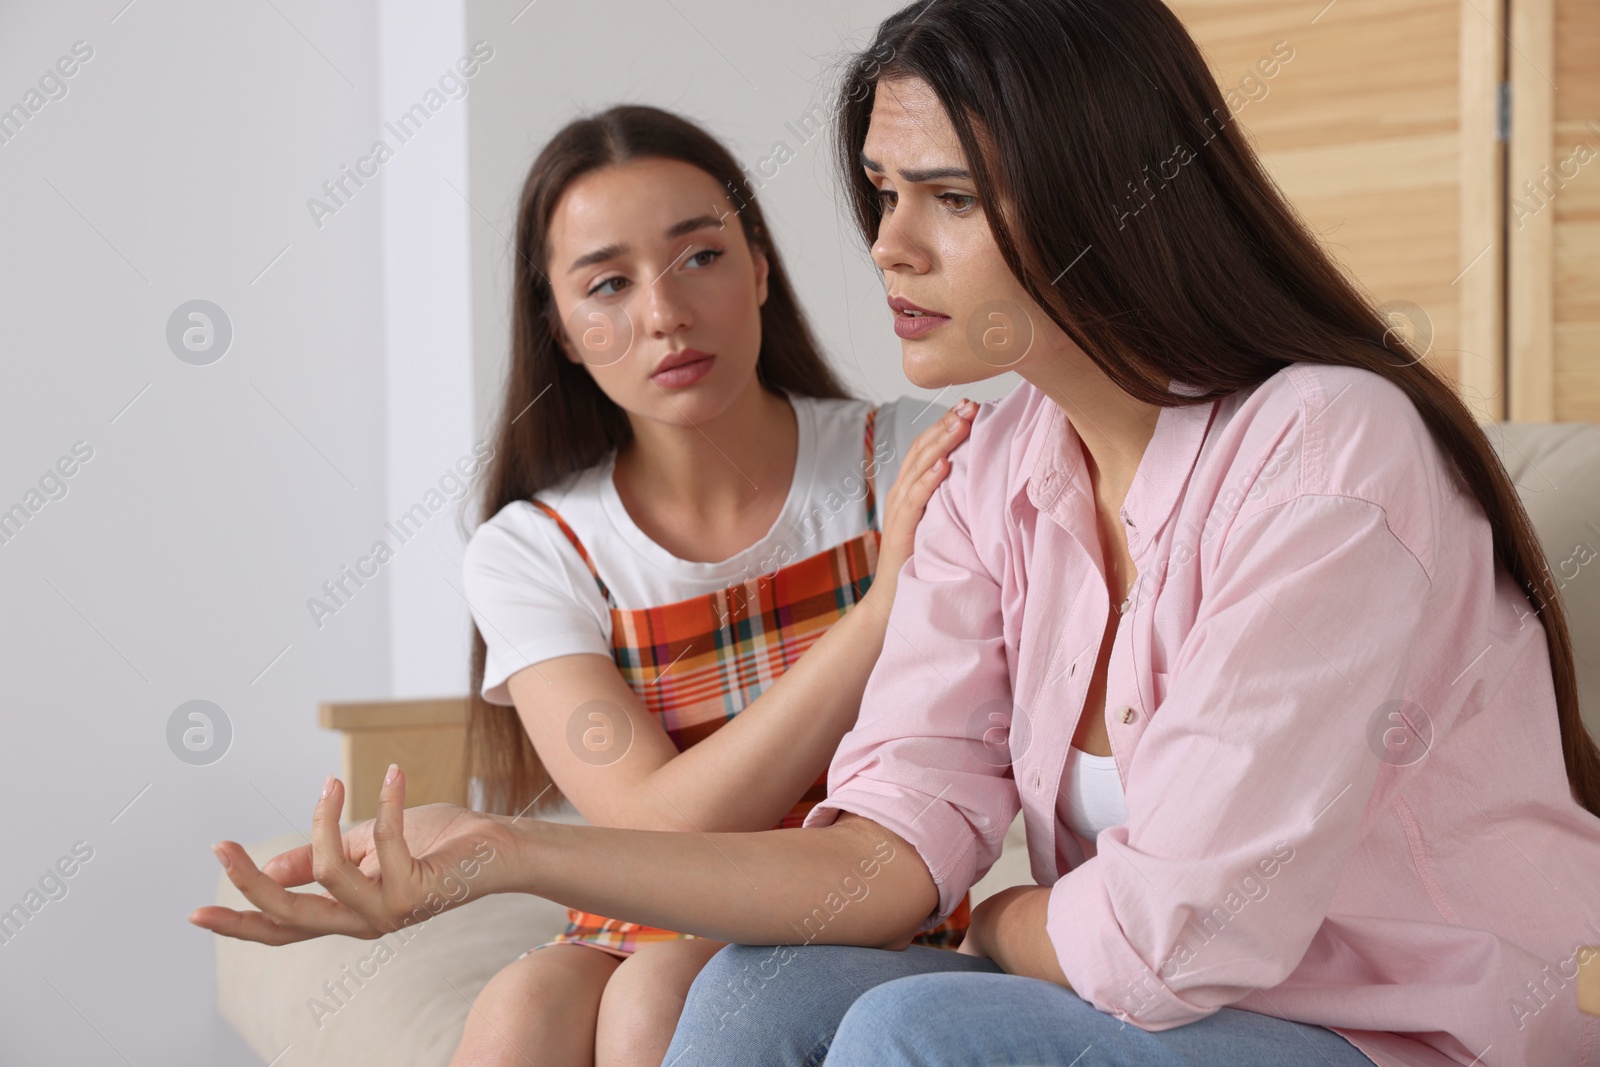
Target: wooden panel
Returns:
[[1577, 372], [1363, 130], [1482, 366], [1575, 301], [1531, 234], [1589, 980]]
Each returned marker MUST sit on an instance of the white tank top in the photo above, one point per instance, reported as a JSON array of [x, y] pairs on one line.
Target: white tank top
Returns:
[[1090, 798]]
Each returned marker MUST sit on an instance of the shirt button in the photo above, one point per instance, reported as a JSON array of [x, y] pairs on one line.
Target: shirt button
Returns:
[[1127, 715], [1122, 609], [1125, 517]]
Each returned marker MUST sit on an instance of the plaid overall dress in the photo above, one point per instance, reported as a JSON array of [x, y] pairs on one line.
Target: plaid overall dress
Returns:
[[697, 663]]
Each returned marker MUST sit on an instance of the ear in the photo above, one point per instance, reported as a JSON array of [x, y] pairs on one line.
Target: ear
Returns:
[[763, 266]]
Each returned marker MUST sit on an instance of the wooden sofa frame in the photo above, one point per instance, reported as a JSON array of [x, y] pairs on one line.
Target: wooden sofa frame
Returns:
[[427, 738]]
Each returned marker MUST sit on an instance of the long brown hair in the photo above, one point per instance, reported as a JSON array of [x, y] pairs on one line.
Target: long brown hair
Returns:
[[556, 421], [1064, 108]]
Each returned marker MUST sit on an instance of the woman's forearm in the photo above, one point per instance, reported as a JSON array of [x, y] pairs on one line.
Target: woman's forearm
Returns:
[[751, 772], [851, 883], [1011, 928]]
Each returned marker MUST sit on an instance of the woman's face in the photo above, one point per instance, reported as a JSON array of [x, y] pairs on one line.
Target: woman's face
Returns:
[[649, 264], [936, 250]]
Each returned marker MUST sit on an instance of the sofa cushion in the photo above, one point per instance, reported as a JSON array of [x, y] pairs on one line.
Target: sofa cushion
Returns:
[[1556, 467]]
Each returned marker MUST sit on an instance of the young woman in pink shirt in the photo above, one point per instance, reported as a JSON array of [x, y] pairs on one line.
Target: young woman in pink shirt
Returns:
[[1230, 533]]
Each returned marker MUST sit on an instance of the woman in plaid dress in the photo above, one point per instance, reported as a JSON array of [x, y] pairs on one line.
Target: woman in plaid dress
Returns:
[[638, 247]]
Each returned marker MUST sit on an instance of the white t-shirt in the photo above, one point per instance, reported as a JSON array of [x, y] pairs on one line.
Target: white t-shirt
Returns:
[[533, 597]]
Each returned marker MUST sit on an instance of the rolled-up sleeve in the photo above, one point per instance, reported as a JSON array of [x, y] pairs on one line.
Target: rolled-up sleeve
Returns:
[[1246, 793], [921, 760]]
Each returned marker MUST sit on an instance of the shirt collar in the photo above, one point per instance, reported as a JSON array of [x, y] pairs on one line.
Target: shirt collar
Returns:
[[1057, 463]]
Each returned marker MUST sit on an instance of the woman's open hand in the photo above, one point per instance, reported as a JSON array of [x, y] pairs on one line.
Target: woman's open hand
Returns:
[[925, 465], [397, 870]]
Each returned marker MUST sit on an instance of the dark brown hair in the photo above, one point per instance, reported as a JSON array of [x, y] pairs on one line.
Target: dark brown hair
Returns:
[[556, 421], [1061, 106]]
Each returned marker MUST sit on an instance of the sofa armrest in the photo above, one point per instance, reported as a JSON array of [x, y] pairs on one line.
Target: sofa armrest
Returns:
[[427, 738]]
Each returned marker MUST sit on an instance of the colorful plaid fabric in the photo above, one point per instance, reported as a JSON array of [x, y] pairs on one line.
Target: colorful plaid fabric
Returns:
[[697, 663]]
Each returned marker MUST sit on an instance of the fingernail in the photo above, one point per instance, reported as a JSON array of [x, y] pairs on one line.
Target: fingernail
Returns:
[[394, 772], [327, 786], [216, 850]]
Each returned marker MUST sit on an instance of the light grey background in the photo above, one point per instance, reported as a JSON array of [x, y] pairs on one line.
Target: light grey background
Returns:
[[367, 356]]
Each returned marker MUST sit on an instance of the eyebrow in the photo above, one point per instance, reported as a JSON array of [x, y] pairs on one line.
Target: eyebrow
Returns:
[[924, 174], [677, 229]]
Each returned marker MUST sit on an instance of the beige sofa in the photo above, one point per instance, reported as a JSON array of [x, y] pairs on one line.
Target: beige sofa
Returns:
[[411, 1007]]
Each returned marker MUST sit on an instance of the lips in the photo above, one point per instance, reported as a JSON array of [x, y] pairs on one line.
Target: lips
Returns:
[[902, 306], [679, 358], [913, 320], [683, 369]]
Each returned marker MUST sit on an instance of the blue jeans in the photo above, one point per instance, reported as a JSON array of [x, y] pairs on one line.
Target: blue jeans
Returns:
[[928, 1007]]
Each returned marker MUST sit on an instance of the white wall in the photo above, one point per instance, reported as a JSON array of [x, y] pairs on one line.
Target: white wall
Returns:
[[426, 62], [218, 498], [368, 344]]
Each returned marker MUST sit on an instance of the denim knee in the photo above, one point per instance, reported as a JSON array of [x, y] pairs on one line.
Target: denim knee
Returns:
[[731, 980], [914, 999], [735, 1015]]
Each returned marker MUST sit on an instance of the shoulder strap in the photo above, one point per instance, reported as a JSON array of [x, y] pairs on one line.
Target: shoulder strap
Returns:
[[577, 544], [871, 464]]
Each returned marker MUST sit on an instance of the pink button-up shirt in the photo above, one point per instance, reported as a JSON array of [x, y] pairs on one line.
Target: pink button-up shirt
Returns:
[[1332, 717]]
